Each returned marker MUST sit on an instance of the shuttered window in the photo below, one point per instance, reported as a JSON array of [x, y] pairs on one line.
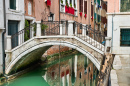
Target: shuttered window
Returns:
[[85, 7], [125, 37], [13, 4], [91, 10], [29, 8], [81, 5]]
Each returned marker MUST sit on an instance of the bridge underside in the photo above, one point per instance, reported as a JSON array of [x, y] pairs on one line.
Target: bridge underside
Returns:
[[32, 50], [28, 59]]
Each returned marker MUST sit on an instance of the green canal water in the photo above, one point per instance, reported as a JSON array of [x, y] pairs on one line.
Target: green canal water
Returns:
[[72, 70]]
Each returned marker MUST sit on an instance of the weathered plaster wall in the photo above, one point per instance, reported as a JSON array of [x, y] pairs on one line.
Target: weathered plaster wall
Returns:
[[113, 6]]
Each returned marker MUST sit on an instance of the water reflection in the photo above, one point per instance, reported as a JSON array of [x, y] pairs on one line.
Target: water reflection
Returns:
[[72, 70], [76, 71]]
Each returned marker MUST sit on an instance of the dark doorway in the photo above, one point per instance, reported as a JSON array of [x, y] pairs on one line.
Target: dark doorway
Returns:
[[13, 29]]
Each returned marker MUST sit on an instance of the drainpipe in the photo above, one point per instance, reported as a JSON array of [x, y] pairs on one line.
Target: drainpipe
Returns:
[[59, 16], [4, 8]]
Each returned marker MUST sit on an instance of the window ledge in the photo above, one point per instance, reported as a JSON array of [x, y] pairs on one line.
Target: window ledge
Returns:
[[62, 4], [16, 11], [119, 13]]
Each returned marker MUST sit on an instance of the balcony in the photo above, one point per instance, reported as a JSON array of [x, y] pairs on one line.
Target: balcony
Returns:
[[67, 9]]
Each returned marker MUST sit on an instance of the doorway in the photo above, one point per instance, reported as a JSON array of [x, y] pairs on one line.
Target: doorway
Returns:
[[13, 29]]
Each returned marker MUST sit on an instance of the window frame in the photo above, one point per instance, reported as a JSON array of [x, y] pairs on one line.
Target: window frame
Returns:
[[17, 5], [123, 45], [120, 7]]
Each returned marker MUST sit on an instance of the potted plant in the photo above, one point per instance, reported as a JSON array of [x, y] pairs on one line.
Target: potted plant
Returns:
[[43, 27], [62, 1], [74, 5], [80, 13], [67, 4], [85, 15]]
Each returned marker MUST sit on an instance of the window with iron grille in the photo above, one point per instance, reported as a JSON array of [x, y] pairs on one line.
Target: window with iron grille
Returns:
[[85, 7], [125, 6], [13, 4], [81, 5], [125, 37]]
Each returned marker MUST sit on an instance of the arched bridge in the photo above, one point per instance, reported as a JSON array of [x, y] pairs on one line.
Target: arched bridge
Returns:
[[80, 37]]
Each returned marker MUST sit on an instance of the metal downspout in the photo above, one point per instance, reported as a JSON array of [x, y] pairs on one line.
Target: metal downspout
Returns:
[[3, 49]]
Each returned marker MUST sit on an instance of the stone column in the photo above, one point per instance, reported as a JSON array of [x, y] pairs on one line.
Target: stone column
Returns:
[[70, 28], [38, 30], [108, 44], [8, 50]]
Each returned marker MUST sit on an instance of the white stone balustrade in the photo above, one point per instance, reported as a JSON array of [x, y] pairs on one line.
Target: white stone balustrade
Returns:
[[38, 30], [84, 30], [8, 43], [70, 28], [108, 43], [61, 29]]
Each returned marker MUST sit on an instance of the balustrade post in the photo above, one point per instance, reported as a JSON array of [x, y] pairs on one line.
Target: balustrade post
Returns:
[[108, 44], [61, 29], [38, 30], [70, 28], [84, 30], [8, 43]]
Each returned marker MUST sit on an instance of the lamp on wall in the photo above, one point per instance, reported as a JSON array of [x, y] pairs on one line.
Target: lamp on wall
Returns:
[[50, 18]]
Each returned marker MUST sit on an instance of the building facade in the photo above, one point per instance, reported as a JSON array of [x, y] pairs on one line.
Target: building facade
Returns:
[[118, 26], [1, 31]]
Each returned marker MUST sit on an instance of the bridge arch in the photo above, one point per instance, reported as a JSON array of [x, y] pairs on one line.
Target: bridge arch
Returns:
[[48, 44]]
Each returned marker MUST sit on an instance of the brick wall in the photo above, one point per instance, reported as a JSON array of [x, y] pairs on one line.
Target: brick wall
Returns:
[[55, 49]]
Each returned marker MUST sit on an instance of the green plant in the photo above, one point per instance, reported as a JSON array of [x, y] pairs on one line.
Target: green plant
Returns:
[[74, 5], [62, 1], [67, 4], [70, 5], [27, 32], [43, 27]]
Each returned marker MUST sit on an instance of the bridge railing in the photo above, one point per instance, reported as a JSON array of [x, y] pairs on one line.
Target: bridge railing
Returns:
[[23, 35], [53, 28], [70, 28], [88, 34]]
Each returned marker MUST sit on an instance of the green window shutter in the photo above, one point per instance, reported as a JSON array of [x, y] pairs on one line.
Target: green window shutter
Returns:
[[94, 1], [95, 16], [125, 37], [98, 1], [13, 4]]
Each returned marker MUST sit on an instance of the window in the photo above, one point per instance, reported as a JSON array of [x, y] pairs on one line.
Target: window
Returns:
[[85, 7], [29, 8], [125, 6], [125, 37], [13, 4], [81, 5]]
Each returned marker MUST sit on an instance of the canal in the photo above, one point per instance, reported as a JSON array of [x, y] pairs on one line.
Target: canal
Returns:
[[71, 70]]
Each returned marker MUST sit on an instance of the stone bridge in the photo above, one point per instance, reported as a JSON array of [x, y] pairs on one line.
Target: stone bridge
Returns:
[[32, 50]]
